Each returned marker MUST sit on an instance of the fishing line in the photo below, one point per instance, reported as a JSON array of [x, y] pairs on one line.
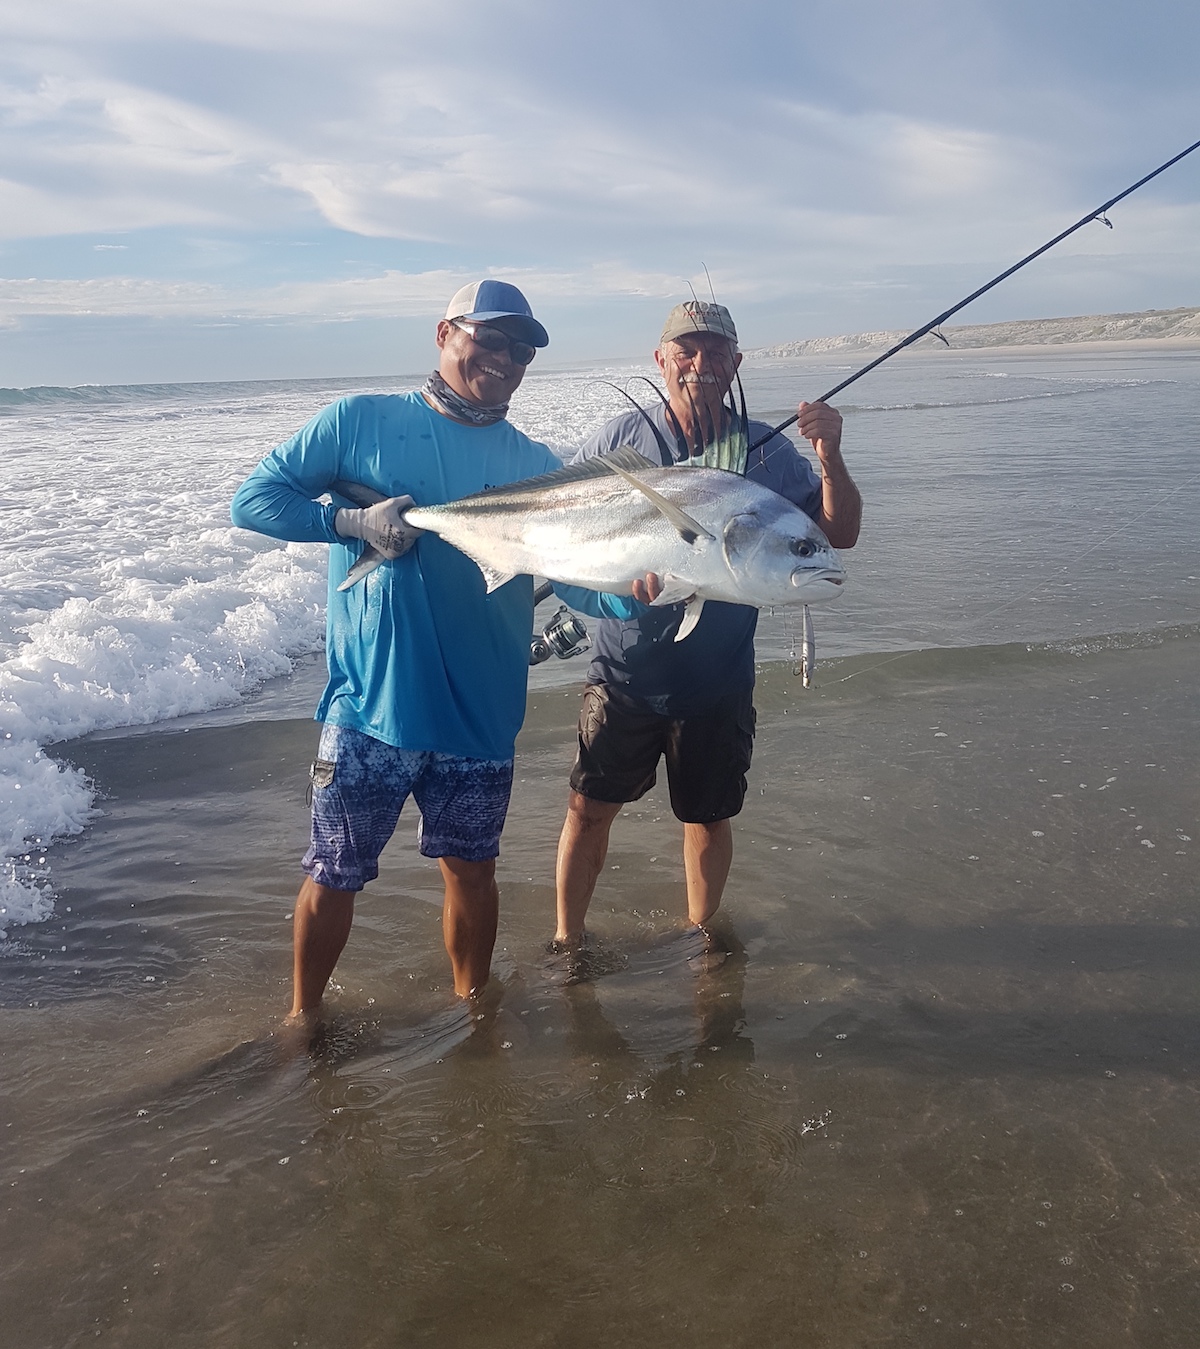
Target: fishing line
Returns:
[[1033, 590], [1097, 215]]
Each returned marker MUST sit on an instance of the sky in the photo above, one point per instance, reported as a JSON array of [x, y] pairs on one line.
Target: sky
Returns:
[[249, 189]]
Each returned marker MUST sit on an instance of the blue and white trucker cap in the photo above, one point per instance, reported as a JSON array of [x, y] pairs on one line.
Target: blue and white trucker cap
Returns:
[[484, 301]]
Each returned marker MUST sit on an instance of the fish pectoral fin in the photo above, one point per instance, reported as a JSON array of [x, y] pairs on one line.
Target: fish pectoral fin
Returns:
[[689, 530], [495, 578], [691, 616], [368, 560], [356, 492], [675, 590]]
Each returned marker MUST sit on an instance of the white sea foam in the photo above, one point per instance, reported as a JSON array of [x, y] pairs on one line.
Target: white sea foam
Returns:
[[127, 596], [39, 800]]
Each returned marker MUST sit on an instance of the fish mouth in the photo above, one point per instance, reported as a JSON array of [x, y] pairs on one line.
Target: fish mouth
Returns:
[[803, 577]]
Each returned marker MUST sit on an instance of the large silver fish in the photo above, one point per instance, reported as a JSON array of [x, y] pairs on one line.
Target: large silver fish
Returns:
[[707, 533]]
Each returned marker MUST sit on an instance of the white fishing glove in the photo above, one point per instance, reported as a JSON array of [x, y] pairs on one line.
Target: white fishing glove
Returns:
[[383, 526]]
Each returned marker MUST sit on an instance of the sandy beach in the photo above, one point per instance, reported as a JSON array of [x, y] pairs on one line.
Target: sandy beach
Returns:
[[946, 1080]]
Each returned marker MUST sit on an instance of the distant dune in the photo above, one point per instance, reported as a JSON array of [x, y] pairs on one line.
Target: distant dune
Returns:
[[1182, 325]]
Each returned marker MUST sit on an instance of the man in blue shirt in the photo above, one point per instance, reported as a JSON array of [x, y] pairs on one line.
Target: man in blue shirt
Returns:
[[427, 672], [648, 696]]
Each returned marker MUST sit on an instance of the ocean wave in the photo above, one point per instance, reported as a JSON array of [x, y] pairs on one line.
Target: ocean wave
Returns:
[[937, 665], [52, 397], [151, 646], [49, 395], [40, 800], [1037, 396], [1098, 383]]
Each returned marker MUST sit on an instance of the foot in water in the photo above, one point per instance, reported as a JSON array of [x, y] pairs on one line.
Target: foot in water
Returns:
[[337, 1031], [712, 952], [575, 962], [297, 1033]]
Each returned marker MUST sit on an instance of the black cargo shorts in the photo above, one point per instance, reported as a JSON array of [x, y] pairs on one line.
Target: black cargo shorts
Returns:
[[708, 755]]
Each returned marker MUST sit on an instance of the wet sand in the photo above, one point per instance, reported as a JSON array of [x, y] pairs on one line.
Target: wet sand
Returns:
[[943, 1090]]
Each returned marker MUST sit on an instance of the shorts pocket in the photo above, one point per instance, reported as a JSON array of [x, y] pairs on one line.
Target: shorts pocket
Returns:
[[747, 719], [320, 775], [591, 715]]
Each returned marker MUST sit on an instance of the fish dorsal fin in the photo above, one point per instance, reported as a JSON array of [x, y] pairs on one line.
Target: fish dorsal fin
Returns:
[[356, 492], [729, 452], [689, 530], [595, 467], [691, 616]]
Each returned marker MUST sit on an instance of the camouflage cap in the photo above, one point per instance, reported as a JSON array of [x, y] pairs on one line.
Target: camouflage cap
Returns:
[[698, 316]]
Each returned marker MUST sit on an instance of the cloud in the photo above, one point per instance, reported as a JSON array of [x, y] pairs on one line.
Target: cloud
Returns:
[[390, 295], [825, 151], [94, 155], [1145, 240], [410, 163]]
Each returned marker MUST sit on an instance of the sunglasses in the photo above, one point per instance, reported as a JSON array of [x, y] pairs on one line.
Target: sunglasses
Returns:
[[492, 339]]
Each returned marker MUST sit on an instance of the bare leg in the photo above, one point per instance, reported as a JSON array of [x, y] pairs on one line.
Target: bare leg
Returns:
[[470, 915], [707, 856], [582, 848], [320, 926]]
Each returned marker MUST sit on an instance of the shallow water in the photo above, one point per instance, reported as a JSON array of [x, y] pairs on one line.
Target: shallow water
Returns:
[[1012, 496], [943, 1090], [1009, 497]]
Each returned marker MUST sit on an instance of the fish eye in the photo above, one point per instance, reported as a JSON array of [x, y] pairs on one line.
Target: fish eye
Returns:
[[802, 548]]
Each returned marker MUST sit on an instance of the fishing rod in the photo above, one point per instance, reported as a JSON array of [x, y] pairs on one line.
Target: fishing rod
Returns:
[[1097, 214]]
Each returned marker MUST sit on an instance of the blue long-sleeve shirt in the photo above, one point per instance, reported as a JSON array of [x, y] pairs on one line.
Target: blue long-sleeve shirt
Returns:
[[420, 656]]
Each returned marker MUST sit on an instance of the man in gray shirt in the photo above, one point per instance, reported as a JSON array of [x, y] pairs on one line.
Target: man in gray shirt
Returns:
[[649, 697]]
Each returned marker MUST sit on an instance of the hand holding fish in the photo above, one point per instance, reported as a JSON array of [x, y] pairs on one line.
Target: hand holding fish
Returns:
[[382, 525], [649, 590]]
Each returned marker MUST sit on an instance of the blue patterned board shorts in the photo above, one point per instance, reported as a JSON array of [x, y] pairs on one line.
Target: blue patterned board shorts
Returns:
[[360, 786]]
